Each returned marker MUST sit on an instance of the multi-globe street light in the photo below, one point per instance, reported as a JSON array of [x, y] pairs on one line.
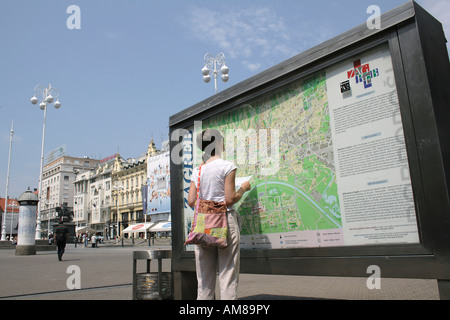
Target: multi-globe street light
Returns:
[[47, 95], [211, 66]]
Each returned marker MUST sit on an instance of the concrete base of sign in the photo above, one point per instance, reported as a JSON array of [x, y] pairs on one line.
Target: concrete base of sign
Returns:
[[24, 250], [444, 289], [185, 285]]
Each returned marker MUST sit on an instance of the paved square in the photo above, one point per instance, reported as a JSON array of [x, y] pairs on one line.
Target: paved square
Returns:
[[106, 274]]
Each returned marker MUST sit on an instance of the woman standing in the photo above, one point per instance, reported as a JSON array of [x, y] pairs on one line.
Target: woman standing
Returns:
[[217, 184]]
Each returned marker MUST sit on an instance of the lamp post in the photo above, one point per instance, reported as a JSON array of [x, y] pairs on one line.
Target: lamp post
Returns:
[[47, 207], [116, 188], [3, 238], [211, 65], [48, 95]]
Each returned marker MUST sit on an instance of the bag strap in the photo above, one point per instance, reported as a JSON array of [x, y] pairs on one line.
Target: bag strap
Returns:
[[199, 173]]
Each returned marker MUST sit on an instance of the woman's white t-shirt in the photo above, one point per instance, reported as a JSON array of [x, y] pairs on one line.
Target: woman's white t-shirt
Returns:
[[212, 179]]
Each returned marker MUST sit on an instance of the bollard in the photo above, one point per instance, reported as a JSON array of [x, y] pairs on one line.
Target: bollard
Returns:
[[26, 243]]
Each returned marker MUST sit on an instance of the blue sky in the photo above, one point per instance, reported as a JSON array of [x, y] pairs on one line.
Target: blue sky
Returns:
[[134, 63]]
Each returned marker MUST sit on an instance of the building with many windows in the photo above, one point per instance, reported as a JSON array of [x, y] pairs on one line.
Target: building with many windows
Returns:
[[58, 179], [92, 196], [11, 216], [109, 197], [81, 198], [129, 179]]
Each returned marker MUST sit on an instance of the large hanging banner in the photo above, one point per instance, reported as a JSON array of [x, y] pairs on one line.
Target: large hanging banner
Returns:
[[327, 160], [158, 181]]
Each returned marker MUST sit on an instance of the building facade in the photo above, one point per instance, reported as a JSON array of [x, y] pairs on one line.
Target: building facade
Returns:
[[129, 179], [100, 197], [109, 197], [11, 216], [58, 179], [81, 198], [92, 197]]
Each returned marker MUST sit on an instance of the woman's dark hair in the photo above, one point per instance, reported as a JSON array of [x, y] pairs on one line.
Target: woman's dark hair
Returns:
[[209, 141]]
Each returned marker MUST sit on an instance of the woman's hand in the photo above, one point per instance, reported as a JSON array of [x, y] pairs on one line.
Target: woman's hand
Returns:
[[232, 196], [246, 186]]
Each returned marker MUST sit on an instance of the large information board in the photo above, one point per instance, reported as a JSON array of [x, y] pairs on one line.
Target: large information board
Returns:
[[345, 146], [339, 173]]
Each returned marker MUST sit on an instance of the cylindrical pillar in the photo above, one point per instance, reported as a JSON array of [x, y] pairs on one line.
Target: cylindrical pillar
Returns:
[[26, 244]]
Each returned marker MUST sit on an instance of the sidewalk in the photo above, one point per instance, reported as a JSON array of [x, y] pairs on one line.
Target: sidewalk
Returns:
[[106, 274]]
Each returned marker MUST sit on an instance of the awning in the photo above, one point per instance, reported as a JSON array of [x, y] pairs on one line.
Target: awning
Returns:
[[85, 229], [138, 227], [162, 226]]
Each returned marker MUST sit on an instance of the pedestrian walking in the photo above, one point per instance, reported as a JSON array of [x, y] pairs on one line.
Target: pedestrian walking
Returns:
[[217, 184], [61, 236], [94, 240]]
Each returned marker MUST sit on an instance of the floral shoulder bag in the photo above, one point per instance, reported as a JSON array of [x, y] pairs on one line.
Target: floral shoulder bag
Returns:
[[209, 226]]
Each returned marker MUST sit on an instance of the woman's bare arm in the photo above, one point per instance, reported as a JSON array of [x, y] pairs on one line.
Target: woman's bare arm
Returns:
[[192, 196], [231, 195]]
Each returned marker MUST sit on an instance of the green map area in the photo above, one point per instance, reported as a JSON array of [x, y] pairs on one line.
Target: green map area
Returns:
[[300, 192]]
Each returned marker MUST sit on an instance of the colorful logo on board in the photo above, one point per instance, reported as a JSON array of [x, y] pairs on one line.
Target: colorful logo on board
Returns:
[[363, 73]]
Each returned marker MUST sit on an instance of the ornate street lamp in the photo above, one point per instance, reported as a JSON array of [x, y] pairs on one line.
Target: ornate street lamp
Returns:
[[47, 95], [211, 65]]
